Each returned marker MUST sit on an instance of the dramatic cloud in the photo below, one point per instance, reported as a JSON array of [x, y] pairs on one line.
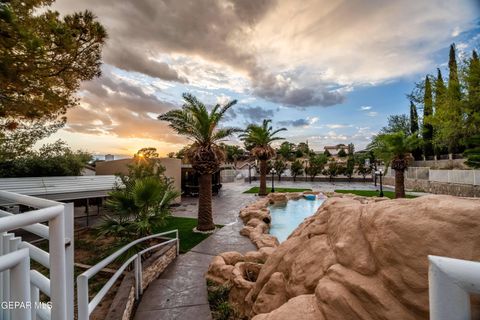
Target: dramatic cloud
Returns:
[[299, 122], [254, 114], [110, 105]]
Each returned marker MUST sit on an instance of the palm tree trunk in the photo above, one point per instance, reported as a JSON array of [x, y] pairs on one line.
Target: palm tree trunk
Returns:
[[399, 184], [263, 178], [205, 219]]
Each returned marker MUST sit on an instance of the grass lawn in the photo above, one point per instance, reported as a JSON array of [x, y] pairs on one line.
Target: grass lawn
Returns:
[[256, 189], [188, 239], [372, 193]]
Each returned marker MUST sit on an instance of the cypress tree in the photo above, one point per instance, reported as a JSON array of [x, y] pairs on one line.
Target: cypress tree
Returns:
[[417, 152], [427, 132], [453, 83], [413, 118], [440, 91]]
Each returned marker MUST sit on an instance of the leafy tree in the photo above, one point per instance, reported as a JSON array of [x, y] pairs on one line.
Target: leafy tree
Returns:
[[286, 150], [182, 152], [140, 204], [473, 153], [171, 155], [351, 148], [395, 150], [259, 138], [427, 132], [396, 123], [472, 105], [303, 148], [43, 59], [316, 165], [195, 122], [55, 159], [280, 166], [332, 169], [342, 153], [363, 170], [296, 169], [233, 153], [349, 169]]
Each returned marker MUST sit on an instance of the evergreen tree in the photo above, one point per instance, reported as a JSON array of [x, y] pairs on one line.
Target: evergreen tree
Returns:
[[453, 82], [438, 103], [472, 104], [427, 132], [413, 118], [417, 153]]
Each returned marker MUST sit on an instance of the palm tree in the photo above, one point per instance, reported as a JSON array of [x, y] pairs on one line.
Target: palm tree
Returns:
[[259, 138], [395, 150], [200, 126]]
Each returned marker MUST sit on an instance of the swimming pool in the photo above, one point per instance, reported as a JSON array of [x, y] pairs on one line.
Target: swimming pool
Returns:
[[286, 218]]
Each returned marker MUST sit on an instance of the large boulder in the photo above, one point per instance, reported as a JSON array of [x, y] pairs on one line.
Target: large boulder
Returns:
[[364, 259]]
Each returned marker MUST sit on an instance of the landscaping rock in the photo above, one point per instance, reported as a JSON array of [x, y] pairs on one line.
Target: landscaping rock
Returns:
[[359, 258], [232, 257]]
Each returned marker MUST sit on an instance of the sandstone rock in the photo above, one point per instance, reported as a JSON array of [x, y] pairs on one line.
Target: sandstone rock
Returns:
[[218, 271], [360, 258], [232, 257], [299, 308], [278, 198]]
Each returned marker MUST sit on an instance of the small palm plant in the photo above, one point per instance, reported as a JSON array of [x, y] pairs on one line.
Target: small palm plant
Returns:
[[201, 126], [395, 150], [259, 139]]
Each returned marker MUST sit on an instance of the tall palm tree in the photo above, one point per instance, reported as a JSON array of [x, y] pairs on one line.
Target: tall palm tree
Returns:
[[395, 150], [200, 126], [259, 138]]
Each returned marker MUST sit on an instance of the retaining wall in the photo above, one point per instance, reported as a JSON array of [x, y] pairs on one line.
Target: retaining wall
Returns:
[[454, 189]]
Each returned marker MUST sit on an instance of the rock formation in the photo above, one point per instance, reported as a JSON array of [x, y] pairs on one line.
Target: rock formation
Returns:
[[356, 258]]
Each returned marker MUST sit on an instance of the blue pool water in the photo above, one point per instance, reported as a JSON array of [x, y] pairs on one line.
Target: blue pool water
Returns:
[[286, 218]]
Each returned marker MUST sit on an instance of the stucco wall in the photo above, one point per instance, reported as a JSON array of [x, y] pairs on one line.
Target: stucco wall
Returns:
[[460, 190], [172, 169]]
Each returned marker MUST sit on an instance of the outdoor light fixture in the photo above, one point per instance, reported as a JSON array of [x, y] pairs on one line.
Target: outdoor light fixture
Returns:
[[380, 174], [273, 171]]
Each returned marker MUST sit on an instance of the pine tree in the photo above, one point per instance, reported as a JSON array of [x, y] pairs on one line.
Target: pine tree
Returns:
[[427, 132], [438, 104]]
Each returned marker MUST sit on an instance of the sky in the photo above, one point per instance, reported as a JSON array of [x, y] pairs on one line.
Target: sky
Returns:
[[330, 71]]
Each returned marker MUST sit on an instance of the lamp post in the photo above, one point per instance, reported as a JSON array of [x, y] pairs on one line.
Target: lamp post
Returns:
[[380, 174], [273, 179]]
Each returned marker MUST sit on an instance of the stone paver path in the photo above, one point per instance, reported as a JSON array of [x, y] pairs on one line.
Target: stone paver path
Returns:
[[181, 292]]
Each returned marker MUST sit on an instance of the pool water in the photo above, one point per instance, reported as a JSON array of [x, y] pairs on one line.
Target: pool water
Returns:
[[286, 218]]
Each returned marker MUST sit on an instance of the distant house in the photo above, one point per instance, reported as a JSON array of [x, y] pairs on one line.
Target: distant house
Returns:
[[334, 150]]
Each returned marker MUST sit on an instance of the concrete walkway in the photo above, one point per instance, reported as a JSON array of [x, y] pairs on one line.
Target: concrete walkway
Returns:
[[181, 291]]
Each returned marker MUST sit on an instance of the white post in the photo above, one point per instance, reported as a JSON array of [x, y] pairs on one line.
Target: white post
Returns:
[[69, 258], [57, 268], [6, 274], [82, 296], [450, 282], [178, 242], [20, 284], [34, 298], [137, 275]]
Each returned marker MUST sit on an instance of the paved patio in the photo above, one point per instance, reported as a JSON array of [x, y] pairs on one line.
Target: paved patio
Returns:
[[181, 292]]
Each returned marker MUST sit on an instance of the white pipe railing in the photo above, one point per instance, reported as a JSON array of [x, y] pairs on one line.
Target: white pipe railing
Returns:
[[85, 306], [450, 283], [59, 259]]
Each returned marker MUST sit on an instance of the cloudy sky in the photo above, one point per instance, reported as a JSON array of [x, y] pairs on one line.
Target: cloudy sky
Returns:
[[331, 71]]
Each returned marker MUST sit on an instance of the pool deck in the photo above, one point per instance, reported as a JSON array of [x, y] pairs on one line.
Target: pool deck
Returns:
[[181, 291]]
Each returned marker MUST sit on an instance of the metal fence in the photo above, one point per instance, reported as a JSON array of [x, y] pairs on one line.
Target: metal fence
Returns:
[[86, 307], [469, 177], [19, 285]]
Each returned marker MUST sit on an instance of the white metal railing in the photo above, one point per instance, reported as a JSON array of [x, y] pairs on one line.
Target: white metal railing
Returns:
[[450, 283], [20, 286], [86, 307]]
